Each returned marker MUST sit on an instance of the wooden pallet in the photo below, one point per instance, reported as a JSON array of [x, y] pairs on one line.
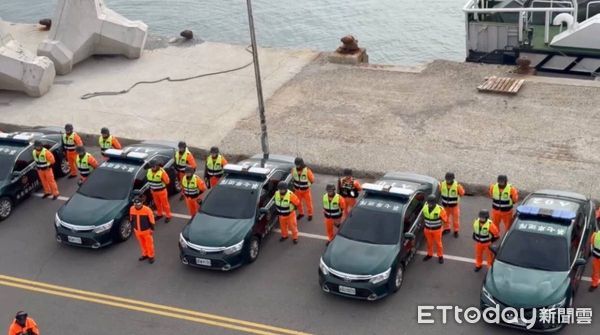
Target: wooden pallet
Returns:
[[501, 85]]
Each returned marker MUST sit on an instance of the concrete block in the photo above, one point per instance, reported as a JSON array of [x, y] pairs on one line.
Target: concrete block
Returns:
[[353, 59], [82, 28], [21, 70]]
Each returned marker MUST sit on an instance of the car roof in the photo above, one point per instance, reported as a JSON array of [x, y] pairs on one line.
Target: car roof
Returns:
[[549, 212], [421, 182], [152, 148], [280, 161], [21, 138]]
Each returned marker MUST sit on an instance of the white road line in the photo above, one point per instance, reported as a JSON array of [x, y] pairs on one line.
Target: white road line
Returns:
[[60, 197], [315, 236], [324, 238]]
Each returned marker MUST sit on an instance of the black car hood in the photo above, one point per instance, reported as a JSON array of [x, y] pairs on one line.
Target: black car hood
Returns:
[[81, 210], [211, 231]]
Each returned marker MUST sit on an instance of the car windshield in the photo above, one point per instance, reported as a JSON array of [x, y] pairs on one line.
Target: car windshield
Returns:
[[231, 201], [535, 251], [373, 224], [107, 184]]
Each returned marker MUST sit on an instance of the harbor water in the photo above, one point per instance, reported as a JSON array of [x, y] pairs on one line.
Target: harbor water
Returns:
[[403, 32]]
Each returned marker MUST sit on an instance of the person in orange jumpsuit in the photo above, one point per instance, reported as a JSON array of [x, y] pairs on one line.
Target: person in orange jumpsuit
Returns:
[[484, 233], [504, 196], [451, 191], [86, 163], [70, 141], [286, 203], [595, 242], [333, 209], [159, 179], [107, 141], [434, 216], [44, 159], [23, 325], [142, 221], [302, 178], [183, 160], [349, 190], [213, 171], [192, 187]]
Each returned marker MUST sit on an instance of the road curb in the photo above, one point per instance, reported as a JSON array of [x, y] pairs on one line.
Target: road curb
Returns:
[[472, 189]]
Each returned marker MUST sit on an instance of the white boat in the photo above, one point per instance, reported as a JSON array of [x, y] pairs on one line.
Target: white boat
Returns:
[[555, 35]]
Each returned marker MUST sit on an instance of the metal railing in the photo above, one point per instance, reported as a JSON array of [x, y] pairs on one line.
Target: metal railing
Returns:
[[475, 7], [587, 9]]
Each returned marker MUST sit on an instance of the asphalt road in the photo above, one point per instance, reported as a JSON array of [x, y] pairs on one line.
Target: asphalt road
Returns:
[[108, 291]]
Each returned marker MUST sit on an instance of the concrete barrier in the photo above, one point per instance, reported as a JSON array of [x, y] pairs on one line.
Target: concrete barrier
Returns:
[[21, 70], [82, 28]]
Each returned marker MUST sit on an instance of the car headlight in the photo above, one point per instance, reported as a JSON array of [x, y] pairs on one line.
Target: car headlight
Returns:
[[103, 227], [559, 304], [487, 297], [380, 277], [57, 220], [182, 241], [323, 267], [234, 248]]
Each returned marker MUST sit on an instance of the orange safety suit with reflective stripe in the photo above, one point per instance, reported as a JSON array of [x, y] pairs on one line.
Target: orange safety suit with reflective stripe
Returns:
[[110, 142], [333, 213], [192, 188], [183, 161], [286, 210], [451, 203], [44, 159], [595, 258], [504, 215], [160, 195], [484, 234], [302, 189], [433, 228], [349, 189], [212, 175], [85, 165], [70, 142], [16, 329], [142, 221]]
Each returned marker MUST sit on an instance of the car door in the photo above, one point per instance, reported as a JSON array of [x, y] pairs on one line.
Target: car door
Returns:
[[577, 248], [267, 220], [412, 224], [24, 176]]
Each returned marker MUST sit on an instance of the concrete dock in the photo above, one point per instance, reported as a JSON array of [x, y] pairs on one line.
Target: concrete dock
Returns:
[[370, 118]]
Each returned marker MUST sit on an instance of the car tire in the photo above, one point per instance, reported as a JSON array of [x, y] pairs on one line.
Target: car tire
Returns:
[[252, 250], [6, 207], [62, 167], [123, 231], [397, 277]]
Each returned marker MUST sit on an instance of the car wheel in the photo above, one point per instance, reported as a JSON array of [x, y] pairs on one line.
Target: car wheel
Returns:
[[63, 167], [397, 278], [6, 207], [253, 249], [124, 230]]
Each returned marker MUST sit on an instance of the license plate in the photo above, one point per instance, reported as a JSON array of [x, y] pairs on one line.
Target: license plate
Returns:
[[347, 290], [74, 239], [203, 261]]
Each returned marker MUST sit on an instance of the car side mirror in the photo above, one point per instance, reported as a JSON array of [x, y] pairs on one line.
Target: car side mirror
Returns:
[[16, 174], [580, 262], [263, 210], [409, 236], [494, 248]]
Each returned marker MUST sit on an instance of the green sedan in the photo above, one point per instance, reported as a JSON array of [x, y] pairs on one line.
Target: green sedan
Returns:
[[541, 259], [368, 256]]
